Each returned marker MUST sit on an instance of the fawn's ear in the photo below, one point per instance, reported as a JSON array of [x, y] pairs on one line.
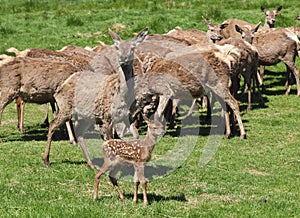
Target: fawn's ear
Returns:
[[223, 25], [238, 29], [263, 9], [141, 36], [255, 28], [117, 39], [277, 11], [208, 24]]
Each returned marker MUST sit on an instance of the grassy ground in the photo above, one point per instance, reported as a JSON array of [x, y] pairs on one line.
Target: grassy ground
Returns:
[[256, 177]]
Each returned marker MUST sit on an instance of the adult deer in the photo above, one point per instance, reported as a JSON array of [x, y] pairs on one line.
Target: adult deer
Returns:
[[102, 94]]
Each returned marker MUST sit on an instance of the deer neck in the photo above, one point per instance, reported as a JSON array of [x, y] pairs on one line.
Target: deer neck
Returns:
[[150, 139]]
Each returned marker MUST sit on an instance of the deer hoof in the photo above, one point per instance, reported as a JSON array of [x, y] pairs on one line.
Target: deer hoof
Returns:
[[242, 137]]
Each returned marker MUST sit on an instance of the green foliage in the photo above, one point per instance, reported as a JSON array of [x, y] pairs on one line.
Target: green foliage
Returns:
[[256, 177], [74, 21]]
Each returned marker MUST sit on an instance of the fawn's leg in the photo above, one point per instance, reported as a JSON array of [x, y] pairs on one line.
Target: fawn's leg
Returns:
[[113, 180], [136, 186], [140, 175], [99, 173]]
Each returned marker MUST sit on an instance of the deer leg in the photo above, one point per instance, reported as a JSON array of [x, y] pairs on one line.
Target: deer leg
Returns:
[[83, 125], [227, 124], [173, 113], [296, 75], [135, 194], [261, 76], [7, 95], [136, 186], [163, 101], [192, 107], [54, 124], [20, 111], [288, 82], [233, 104], [46, 119], [99, 173], [112, 177], [140, 177], [70, 130]]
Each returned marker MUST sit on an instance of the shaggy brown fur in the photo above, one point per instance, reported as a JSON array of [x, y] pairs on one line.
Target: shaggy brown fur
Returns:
[[276, 46]]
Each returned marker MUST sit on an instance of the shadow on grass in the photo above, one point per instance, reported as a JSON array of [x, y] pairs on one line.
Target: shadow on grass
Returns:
[[151, 198], [127, 170], [277, 79], [36, 133], [157, 198]]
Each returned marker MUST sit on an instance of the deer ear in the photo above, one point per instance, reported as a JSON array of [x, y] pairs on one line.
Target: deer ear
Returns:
[[277, 11], [223, 25], [238, 29], [117, 39], [207, 23], [256, 28], [263, 9], [141, 36]]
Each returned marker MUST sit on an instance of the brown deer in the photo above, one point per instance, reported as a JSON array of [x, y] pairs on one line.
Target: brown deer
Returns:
[[195, 68], [136, 152], [102, 94], [194, 36], [270, 20], [77, 59], [279, 45], [270, 16]]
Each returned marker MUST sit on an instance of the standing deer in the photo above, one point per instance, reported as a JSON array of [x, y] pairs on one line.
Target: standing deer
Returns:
[[270, 20], [136, 152], [102, 94], [77, 59], [279, 45]]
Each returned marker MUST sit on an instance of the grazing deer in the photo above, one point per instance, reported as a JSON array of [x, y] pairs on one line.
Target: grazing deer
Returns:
[[77, 57], [102, 94], [136, 152]]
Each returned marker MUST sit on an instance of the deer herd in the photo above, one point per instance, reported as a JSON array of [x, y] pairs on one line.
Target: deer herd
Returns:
[[115, 86]]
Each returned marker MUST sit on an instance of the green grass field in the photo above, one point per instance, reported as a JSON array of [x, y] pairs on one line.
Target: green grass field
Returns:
[[255, 177]]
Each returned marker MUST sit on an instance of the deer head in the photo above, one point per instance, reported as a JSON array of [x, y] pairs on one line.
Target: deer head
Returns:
[[270, 16], [126, 48], [214, 31], [155, 128], [247, 32]]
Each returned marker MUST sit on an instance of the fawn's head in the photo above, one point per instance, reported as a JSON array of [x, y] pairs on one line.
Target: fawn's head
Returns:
[[214, 31], [156, 127], [125, 49], [271, 16], [247, 32]]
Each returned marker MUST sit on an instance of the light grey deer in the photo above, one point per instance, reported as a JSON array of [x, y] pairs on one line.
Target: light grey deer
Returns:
[[102, 94], [136, 152]]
